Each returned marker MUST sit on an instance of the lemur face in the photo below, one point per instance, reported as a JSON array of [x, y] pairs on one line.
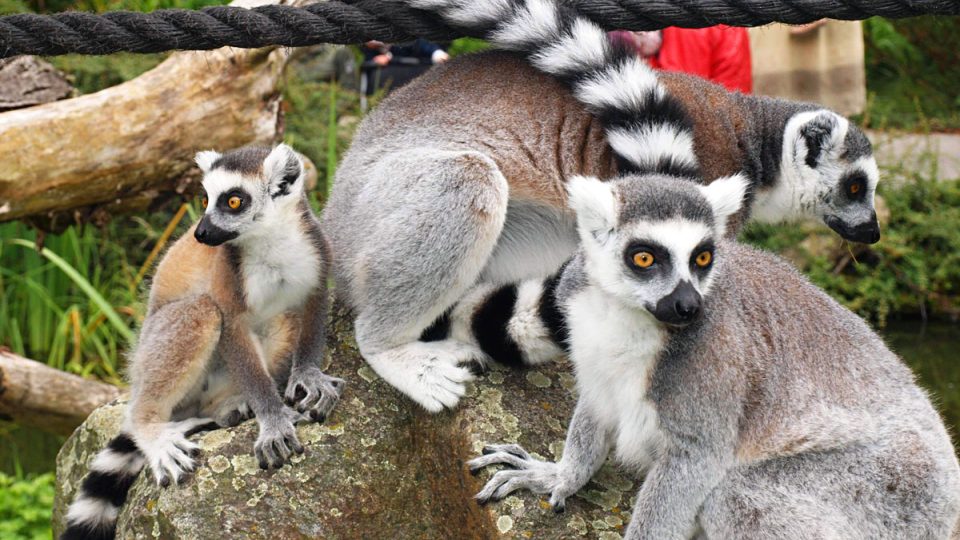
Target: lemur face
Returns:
[[245, 188], [835, 174], [650, 240]]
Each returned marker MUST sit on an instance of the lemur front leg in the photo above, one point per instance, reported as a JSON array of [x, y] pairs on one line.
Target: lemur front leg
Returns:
[[247, 367], [309, 389], [585, 450], [672, 494], [172, 356]]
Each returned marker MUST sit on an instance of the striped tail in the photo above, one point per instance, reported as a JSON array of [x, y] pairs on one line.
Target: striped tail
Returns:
[[648, 130], [517, 325], [93, 514]]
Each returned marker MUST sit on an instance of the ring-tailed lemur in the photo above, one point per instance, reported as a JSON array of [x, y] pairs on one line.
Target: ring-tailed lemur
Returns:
[[703, 362], [468, 185], [237, 308]]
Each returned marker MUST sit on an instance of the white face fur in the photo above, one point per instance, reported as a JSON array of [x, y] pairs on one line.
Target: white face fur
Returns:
[[244, 197], [823, 177], [661, 266]]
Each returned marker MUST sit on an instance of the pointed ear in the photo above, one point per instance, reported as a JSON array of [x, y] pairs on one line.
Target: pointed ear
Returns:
[[726, 198], [283, 169], [206, 159], [595, 205], [819, 134]]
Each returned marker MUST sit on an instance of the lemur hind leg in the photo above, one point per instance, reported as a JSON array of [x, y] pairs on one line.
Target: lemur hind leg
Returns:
[[168, 366], [431, 238], [858, 493]]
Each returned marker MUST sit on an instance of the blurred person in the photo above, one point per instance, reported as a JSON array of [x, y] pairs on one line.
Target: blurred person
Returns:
[[719, 53]]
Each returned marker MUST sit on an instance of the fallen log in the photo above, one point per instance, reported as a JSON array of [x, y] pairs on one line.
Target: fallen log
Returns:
[[128, 145], [26, 81], [33, 394]]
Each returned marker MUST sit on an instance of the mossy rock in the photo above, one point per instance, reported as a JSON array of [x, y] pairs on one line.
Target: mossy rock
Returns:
[[379, 467]]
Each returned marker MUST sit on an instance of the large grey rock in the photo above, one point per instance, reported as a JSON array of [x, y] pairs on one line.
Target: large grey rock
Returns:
[[379, 468]]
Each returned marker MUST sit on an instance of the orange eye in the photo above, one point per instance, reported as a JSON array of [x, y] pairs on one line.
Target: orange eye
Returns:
[[643, 259], [704, 258], [203, 203], [234, 202], [855, 188]]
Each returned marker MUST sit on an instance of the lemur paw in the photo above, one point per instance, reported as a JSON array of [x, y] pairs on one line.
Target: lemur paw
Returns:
[[526, 473], [429, 373], [277, 440], [170, 455], [312, 392]]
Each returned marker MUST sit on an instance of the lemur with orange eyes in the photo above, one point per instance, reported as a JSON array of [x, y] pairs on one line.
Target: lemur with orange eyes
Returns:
[[237, 310], [470, 186]]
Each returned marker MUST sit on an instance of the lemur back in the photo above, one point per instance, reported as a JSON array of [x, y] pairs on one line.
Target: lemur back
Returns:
[[237, 310]]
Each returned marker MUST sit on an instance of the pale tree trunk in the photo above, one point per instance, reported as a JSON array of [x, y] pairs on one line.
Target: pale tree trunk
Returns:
[[33, 394], [125, 146]]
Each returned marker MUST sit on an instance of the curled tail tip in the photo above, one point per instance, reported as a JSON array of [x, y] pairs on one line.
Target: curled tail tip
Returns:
[[93, 514]]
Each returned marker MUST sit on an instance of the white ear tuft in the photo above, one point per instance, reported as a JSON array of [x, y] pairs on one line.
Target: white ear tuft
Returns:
[[594, 203], [283, 169], [726, 198], [206, 159]]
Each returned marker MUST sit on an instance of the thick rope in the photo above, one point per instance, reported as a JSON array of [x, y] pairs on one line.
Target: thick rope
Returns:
[[355, 21]]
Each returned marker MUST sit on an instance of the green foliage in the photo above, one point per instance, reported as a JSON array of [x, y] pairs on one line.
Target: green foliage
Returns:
[[115, 5], [320, 120], [912, 74], [466, 46], [915, 269], [94, 73], [74, 304], [26, 505], [9, 7]]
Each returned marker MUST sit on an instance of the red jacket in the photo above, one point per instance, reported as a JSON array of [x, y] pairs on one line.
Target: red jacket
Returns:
[[718, 53]]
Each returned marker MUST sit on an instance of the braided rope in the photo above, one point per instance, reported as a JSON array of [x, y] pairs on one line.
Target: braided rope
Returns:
[[355, 21]]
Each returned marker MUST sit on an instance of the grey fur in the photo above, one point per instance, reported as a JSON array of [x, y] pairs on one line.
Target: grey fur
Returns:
[[764, 428], [246, 160]]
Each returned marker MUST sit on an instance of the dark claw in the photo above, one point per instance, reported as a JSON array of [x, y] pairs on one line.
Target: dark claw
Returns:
[[263, 464], [474, 472], [559, 508], [478, 369], [487, 450], [195, 452], [164, 481], [318, 416]]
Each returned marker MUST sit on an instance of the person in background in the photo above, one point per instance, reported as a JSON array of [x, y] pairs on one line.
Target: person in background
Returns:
[[382, 53], [719, 53]]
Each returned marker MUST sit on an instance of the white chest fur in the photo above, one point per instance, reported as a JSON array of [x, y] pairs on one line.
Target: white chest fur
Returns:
[[279, 274], [614, 350]]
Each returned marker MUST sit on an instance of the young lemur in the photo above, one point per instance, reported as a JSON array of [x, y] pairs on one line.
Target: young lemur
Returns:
[[237, 310], [703, 363], [469, 185]]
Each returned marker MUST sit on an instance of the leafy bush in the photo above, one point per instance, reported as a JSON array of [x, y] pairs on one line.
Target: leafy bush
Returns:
[[912, 72], [26, 506], [915, 269]]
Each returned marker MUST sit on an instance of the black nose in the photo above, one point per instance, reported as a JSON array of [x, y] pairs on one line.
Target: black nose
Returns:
[[867, 232], [681, 307], [211, 235]]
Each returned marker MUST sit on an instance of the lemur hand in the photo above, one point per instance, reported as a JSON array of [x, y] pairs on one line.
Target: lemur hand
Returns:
[[278, 439], [526, 473], [313, 392]]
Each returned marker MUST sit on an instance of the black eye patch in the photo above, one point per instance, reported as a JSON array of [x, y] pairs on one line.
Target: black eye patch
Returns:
[[704, 252], [659, 254], [224, 201], [854, 186]]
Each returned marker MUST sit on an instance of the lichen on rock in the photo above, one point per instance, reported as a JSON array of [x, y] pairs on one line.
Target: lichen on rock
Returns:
[[379, 466]]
